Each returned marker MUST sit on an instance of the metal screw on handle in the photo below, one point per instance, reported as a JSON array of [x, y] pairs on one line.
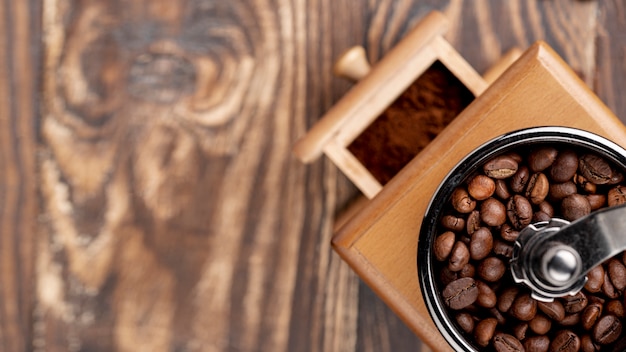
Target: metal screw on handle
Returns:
[[553, 257], [560, 264]]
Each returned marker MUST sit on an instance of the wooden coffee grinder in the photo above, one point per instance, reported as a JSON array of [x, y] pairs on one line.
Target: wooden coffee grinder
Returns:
[[408, 121]]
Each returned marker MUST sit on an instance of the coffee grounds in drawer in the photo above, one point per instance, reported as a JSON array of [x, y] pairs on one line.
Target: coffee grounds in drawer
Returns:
[[412, 121]]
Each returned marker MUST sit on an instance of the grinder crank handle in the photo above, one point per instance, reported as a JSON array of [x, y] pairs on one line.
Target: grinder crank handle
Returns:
[[553, 257]]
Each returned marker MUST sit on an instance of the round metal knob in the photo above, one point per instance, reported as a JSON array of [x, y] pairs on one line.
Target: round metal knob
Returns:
[[562, 263], [550, 267], [553, 257]]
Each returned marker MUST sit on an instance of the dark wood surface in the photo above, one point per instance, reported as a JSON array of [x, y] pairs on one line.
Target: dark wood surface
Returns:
[[149, 198]]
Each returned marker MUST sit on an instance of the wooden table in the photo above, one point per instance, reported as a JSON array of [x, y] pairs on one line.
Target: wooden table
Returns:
[[150, 200]]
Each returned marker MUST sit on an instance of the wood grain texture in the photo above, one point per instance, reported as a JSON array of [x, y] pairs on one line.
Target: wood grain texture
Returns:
[[149, 198], [610, 79], [568, 26], [18, 197], [177, 219]]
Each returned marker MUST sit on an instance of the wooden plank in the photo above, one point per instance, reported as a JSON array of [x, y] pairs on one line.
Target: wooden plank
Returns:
[[18, 197], [486, 29], [610, 78], [177, 218], [173, 215], [390, 334]]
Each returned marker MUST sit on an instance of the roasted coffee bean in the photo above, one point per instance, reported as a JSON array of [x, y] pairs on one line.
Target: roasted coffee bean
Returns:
[[537, 344], [540, 216], [616, 308], [508, 233], [481, 244], [595, 299], [537, 188], [465, 321], [575, 303], [520, 330], [502, 248], [618, 346], [607, 330], [564, 166], [491, 269], [493, 212], [558, 191], [584, 184], [453, 223], [460, 293], [541, 159], [575, 206], [546, 207], [494, 312], [515, 156], [473, 222], [571, 320], [468, 271], [519, 212], [595, 279], [524, 307], [481, 187], [596, 201], [507, 297], [443, 245], [616, 178], [486, 296], [501, 167], [462, 202], [520, 179], [590, 315], [484, 330], [607, 287], [507, 343], [587, 344], [554, 310], [459, 256], [565, 341], [447, 276], [616, 196], [502, 190], [617, 274], [540, 324], [595, 169]]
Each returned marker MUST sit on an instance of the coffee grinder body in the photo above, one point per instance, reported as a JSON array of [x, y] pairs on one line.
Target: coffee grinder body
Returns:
[[380, 239]]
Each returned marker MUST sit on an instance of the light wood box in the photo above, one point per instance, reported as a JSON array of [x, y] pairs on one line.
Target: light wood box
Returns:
[[380, 240], [379, 86]]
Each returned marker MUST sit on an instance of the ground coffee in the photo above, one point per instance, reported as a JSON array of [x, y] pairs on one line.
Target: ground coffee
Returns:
[[411, 122]]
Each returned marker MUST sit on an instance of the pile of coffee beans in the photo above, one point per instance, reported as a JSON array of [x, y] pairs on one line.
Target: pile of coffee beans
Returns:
[[475, 240]]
